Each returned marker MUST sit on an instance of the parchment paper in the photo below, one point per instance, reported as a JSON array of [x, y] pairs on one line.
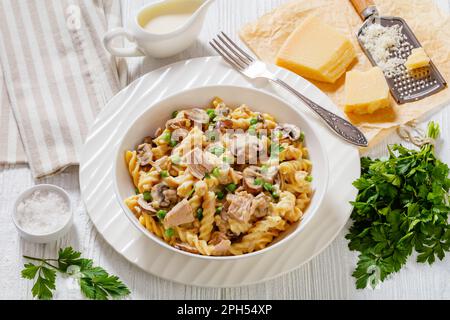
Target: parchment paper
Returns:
[[432, 27]]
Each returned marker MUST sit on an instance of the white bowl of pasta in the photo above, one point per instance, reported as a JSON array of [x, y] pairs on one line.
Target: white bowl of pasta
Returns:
[[220, 178]]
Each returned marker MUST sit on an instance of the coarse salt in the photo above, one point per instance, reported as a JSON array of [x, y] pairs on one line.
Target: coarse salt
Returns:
[[386, 45], [43, 212]]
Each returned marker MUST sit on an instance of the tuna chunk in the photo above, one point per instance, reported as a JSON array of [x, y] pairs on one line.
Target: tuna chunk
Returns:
[[222, 248], [180, 214], [239, 206], [200, 162]]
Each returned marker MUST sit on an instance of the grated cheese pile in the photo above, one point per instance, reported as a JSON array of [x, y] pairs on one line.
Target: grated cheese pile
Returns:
[[386, 45], [43, 212]]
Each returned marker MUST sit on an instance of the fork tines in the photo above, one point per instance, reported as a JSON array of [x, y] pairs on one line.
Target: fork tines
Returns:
[[231, 52]]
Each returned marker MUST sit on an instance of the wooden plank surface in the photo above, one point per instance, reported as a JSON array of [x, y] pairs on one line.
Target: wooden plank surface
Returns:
[[328, 276]]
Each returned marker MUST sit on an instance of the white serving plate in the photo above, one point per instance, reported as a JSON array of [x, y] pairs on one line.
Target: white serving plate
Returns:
[[155, 116], [106, 214]]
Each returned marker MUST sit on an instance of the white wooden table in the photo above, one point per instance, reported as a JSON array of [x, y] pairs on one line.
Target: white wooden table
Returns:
[[328, 276]]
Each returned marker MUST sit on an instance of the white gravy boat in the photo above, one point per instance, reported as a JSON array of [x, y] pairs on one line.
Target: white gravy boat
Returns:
[[159, 44]]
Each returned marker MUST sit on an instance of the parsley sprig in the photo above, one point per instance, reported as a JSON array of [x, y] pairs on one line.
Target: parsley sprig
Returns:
[[95, 282], [402, 206]]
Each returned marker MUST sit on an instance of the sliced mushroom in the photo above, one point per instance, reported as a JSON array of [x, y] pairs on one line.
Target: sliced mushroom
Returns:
[[158, 132], [178, 123], [145, 205], [260, 117], [180, 214], [179, 134], [163, 195], [222, 110], [148, 140], [224, 123], [270, 175], [197, 115], [246, 147], [144, 154], [289, 131], [250, 175]]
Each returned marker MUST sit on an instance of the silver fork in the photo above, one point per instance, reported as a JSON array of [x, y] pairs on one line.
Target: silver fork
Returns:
[[253, 69]]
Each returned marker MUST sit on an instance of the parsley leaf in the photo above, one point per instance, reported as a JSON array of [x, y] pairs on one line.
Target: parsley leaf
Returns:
[[402, 206], [95, 282], [45, 282]]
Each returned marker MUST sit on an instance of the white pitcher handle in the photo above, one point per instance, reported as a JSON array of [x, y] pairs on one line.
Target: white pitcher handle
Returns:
[[133, 51]]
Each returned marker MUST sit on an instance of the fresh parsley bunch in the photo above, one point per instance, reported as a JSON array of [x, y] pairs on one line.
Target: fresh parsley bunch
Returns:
[[95, 282], [402, 206]]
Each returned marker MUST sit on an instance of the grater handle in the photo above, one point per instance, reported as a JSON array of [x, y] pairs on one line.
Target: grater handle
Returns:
[[365, 8]]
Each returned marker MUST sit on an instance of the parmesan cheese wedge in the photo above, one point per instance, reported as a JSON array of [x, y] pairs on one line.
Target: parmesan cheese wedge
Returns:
[[417, 59], [317, 51], [366, 92]]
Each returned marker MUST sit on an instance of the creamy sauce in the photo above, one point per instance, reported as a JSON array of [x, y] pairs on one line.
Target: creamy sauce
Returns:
[[167, 23], [168, 17]]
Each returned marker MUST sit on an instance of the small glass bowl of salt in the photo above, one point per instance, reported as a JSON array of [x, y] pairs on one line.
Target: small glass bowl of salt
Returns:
[[43, 213]]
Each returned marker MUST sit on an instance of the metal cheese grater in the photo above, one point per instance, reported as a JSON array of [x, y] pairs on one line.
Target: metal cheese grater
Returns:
[[406, 86]]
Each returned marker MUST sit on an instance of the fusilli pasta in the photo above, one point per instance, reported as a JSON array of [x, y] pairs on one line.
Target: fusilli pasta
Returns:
[[206, 189]]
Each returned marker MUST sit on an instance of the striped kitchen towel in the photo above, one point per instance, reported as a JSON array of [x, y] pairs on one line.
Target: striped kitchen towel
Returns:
[[56, 78], [11, 150]]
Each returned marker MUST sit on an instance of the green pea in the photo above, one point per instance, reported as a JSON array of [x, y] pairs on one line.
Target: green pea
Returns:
[[216, 172], [169, 232], [175, 159], [167, 136], [161, 214], [211, 113], [258, 182], [309, 178], [274, 148], [220, 195], [136, 191], [200, 214], [219, 210], [302, 137], [253, 121], [174, 114], [164, 174], [264, 168], [231, 187], [227, 160], [218, 151], [147, 196], [275, 195]]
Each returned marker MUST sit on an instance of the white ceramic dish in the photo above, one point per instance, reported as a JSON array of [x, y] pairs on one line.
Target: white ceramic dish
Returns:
[[98, 194], [156, 115], [47, 237]]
